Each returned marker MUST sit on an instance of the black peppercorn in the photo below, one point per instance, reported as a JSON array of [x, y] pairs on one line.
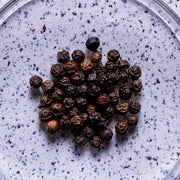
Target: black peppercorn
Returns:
[[84, 116], [80, 140], [78, 56], [92, 43], [94, 117], [103, 100], [71, 90], [76, 122], [87, 66], [114, 97], [123, 76], [82, 90], [121, 127], [57, 70], [91, 108], [45, 100], [45, 115], [71, 67], [109, 111], [106, 134], [111, 66], [102, 79], [125, 92], [96, 141], [113, 78], [113, 55], [134, 107], [74, 111], [89, 132], [65, 123], [58, 94], [94, 90], [57, 109], [136, 85], [52, 126], [48, 86], [123, 65], [122, 107], [91, 79], [96, 56], [64, 82], [35, 81], [63, 56], [81, 103], [103, 123], [135, 71], [78, 77], [132, 120], [68, 103]]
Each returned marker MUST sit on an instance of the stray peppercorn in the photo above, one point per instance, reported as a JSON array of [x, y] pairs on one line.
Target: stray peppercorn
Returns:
[[92, 43], [121, 127], [35, 81], [106, 134]]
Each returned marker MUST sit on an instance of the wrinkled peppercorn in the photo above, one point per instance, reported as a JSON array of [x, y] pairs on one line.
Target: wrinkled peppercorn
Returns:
[[113, 55], [82, 90], [87, 66], [76, 122], [35, 81], [132, 120], [134, 107], [92, 43], [111, 66], [102, 79], [52, 126], [65, 123], [68, 103], [57, 70], [48, 86], [106, 134], [57, 109], [136, 85], [89, 132], [121, 127], [135, 71], [45, 100], [78, 56], [71, 90], [84, 116], [64, 82], [96, 141], [81, 103], [114, 97], [109, 111], [113, 78], [58, 94], [45, 115], [99, 65], [91, 108], [74, 111], [78, 77], [71, 67], [91, 79], [103, 100], [125, 92], [123, 65], [63, 56], [123, 76], [94, 90], [103, 123], [96, 56], [94, 117], [80, 140], [122, 107]]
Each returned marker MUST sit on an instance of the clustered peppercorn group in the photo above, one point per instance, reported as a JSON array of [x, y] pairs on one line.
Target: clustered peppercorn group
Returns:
[[81, 97]]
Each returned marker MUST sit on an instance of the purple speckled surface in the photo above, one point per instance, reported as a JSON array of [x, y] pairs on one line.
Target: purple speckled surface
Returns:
[[27, 151]]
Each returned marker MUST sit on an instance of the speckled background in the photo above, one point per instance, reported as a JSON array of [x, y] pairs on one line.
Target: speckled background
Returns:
[[29, 42]]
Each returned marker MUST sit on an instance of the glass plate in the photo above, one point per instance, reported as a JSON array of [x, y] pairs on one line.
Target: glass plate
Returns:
[[145, 34]]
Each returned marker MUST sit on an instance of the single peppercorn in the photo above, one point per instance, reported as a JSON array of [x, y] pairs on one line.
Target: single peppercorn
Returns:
[[114, 97], [78, 77], [123, 65], [71, 90], [78, 56], [81, 103], [134, 107], [123, 76], [80, 140], [111, 66], [82, 90], [76, 122], [71, 67], [103, 122], [96, 56], [57, 70], [132, 120], [94, 90], [35, 81], [91, 79], [89, 132], [52, 126], [65, 123], [87, 66], [63, 56], [102, 79], [122, 107], [94, 117], [45, 100], [134, 71], [136, 85], [113, 55], [109, 111], [64, 82], [106, 134], [92, 43], [96, 141], [68, 103], [74, 111], [125, 92], [91, 108], [45, 115], [48, 86], [103, 100], [58, 94], [113, 78], [57, 109], [84, 116], [121, 127], [99, 65]]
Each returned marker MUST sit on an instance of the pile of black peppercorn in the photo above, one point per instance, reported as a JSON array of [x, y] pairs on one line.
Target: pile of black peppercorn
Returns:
[[81, 98]]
